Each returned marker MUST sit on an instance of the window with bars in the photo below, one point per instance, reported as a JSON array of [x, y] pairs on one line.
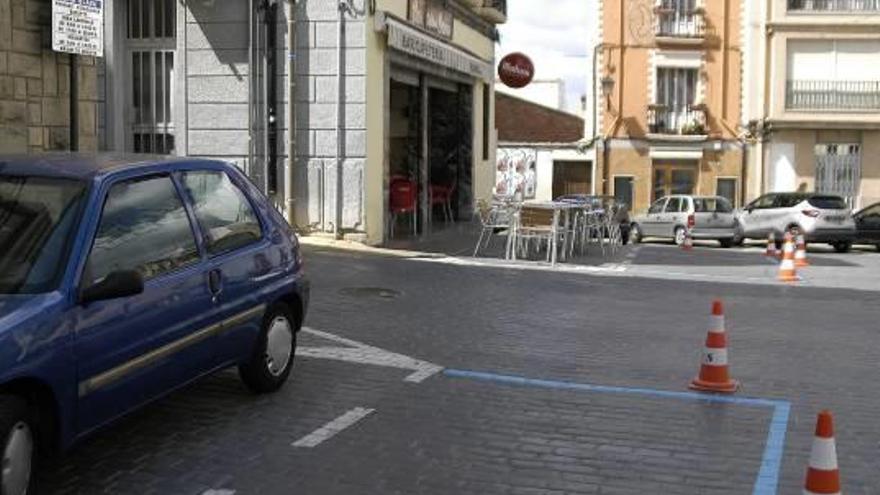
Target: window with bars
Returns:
[[838, 170], [151, 43]]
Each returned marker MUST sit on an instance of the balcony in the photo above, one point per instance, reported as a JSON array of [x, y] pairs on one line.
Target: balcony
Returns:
[[855, 96], [834, 6], [678, 27], [677, 123], [494, 11]]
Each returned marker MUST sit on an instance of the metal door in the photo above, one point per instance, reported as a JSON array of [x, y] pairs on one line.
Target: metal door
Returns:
[[263, 102], [838, 170]]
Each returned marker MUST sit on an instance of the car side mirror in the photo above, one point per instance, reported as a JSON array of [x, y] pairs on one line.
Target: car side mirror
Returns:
[[122, 283]]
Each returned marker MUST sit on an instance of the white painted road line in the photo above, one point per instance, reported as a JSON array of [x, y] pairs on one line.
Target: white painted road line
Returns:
[[361, 353], [330, 430], [219, 492]]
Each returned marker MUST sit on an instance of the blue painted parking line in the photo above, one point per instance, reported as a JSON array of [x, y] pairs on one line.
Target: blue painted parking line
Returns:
[[768, 476]]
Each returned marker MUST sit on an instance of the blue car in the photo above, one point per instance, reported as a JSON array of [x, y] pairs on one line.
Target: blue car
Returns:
[[123, 278]]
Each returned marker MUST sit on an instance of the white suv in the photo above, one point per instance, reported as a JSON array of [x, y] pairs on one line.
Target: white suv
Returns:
[[820, 217]]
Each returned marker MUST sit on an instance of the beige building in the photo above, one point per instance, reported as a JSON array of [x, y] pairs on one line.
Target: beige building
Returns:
[[813, 96], [668, 99]]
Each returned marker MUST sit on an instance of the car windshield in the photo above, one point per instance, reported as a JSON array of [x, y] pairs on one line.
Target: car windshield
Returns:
[[827, 202], [37, 216]]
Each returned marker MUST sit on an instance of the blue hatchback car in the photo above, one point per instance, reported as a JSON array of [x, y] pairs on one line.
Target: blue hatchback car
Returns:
[[123, 278]]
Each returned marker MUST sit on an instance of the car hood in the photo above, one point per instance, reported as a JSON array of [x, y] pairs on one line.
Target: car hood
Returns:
[[15, 309]]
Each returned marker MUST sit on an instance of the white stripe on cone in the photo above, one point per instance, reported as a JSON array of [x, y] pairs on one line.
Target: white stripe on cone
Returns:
[[716, 323], [824, 454], [715, 357]]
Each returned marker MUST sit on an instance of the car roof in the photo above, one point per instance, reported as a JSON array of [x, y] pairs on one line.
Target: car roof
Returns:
[[82, 166]]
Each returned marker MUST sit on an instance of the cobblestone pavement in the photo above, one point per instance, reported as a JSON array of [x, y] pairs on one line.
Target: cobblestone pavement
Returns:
[[455, 432]]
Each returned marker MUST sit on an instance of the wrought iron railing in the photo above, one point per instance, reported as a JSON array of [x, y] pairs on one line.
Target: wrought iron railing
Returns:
[[678, 24], [680, 121], [499, 5], [834, 5], [832, 95]]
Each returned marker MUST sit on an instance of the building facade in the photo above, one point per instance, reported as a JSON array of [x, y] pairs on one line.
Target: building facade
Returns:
[[813, 97], [668, 91], [320, 102]]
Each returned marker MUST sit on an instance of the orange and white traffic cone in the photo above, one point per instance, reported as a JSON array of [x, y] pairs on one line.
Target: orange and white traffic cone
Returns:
[[823, 476], [800, 254], [771, 246], [787, 270], [688, 244], [714, 373]]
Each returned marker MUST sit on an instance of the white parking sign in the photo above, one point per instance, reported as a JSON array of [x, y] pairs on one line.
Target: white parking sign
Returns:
[[78, 27]]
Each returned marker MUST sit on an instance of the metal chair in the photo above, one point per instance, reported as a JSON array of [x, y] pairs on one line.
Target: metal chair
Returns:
[[493, 218]]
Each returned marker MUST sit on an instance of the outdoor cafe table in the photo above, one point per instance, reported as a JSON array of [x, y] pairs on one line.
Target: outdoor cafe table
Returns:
[[559, 208]]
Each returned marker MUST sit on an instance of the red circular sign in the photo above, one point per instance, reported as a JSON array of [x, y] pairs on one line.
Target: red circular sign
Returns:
[[516, 70]]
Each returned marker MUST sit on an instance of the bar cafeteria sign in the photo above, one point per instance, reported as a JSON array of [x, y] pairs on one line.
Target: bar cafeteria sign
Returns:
[[516, 70], [78, 27]]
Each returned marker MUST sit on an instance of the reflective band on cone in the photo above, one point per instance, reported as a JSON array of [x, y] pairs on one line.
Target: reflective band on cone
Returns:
[[800, 255], [771, 246], [787, 270], [823, 475], [688, 243], [714, 372]]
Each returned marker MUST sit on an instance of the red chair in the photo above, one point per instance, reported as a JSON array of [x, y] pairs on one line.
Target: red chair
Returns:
[[442, 195], [403, 200]]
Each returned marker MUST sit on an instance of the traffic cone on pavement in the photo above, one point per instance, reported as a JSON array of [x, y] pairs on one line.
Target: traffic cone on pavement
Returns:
[[787, 270], [688, 244], [771, 246], [800, 254], [823, 476], [714, 374]]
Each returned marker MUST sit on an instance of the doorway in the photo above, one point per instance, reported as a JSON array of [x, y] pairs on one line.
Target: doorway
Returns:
[[571, 177], [673, 178]]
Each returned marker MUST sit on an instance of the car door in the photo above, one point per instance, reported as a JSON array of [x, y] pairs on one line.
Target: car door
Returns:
[[868, 223], [650, 225], [670, 216], [237, 247], [754, 217], [132, 349]]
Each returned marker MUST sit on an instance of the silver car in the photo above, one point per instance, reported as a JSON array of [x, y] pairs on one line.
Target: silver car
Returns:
[[707, 217], [820, 217]]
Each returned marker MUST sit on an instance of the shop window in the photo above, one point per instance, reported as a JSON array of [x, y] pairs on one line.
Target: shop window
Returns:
[[486, 120], [150, 52], [623, 190], [726, 188], [838, 170]]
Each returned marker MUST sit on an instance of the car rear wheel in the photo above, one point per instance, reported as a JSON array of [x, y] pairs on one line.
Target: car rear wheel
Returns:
[[635, 234], [878, 247], [680, 234], [272, 359], [19, 446], [842, 246], [726, 243]]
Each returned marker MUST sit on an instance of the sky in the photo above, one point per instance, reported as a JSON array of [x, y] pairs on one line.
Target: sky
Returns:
[[553, 33]]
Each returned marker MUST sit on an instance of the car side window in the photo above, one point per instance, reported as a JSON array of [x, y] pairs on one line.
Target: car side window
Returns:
[[657, 207], [763, 202], [143, 227], [673, 206], [224, 213]]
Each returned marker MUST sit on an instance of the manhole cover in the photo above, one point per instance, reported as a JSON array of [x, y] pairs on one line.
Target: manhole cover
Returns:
[[369, 292]]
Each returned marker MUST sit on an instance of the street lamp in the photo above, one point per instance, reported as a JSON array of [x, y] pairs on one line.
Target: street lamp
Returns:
[[607, 83]]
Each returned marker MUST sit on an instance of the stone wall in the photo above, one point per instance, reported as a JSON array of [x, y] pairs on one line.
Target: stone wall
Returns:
[[35, 84], [316, 115]]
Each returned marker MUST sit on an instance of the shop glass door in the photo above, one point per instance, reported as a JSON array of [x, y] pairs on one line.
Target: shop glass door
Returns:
[[673, 179]]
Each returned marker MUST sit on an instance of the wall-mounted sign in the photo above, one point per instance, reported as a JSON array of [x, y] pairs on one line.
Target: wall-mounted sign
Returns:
[[431, 15], [420, 45], [78, 27], [516, 70]]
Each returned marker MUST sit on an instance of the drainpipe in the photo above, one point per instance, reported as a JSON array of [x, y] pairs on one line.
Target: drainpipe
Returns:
[[345, 7], [291, 112]]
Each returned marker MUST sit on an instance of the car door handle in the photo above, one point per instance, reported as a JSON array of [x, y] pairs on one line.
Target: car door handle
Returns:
[[215, 284]]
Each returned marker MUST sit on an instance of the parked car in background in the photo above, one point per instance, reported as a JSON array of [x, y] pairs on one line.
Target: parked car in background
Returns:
[[868, 225], [124, 278], [597, 202], [707, 217], [819, 217]]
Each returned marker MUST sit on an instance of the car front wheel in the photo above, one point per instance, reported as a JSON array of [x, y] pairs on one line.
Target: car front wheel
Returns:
[[18, 446], [635, 234], [726, 243], [842, 247], [680, 236], [272, 359]]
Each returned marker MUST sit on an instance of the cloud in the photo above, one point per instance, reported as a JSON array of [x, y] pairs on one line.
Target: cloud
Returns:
[[554, 33]]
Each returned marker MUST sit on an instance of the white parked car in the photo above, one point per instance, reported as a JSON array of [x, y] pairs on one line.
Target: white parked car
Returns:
[[707, 217], [820, 217]]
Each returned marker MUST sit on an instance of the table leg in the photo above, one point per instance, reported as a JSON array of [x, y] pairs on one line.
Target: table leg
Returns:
[[554, 232]]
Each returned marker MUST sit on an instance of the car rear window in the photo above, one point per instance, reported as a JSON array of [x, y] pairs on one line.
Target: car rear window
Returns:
[[712, 205], [828, 202]]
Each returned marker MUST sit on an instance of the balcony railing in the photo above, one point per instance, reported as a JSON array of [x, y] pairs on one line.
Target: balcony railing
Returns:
[[677, 121], [682, 25], [832, 95], [844, 6]]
